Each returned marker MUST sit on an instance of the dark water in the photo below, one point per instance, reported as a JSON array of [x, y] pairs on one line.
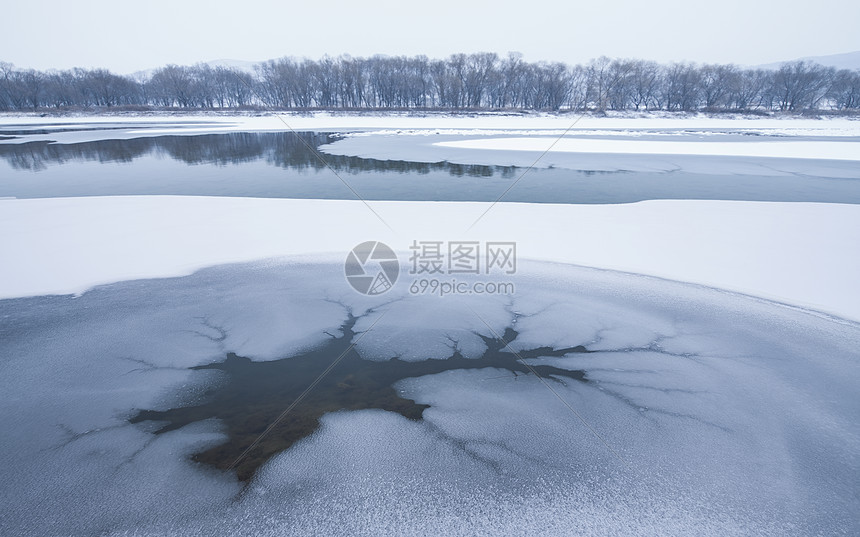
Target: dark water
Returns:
[[287, 165], [254, 395], [292, 151]]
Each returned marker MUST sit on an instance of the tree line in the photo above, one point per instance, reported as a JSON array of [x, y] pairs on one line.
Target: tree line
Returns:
[[460, 82]]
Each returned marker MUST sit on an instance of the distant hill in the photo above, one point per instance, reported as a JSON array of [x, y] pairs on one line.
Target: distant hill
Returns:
[[846, 60]]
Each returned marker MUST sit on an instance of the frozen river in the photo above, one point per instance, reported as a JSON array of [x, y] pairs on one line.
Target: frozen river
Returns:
[[708, 385]]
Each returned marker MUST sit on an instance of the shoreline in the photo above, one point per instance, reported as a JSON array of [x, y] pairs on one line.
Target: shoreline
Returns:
[[427, 112], [726, 245]]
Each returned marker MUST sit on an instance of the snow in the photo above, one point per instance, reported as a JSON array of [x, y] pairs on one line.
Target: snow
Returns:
[[200, 123], [698, 152], [802, 254]]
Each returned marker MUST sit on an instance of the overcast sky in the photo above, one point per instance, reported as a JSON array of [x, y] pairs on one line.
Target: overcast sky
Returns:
[[128, 37]]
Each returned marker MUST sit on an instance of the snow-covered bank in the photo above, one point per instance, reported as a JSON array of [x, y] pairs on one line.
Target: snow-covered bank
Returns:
[[420, 123], [803, 254]]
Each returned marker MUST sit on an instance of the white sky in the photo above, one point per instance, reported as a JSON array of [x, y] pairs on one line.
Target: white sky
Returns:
[[131, 36]]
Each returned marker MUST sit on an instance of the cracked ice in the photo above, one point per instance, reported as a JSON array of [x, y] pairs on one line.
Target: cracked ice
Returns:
[[700, 411]]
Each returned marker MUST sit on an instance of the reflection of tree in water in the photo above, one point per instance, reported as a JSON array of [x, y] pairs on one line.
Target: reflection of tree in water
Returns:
[[282, 149]]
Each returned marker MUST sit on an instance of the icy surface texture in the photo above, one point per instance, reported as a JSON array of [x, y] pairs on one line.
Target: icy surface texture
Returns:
[[703, 412]]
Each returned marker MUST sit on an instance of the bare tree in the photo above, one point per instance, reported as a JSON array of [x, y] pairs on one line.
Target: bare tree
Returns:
[[716, 82], [801, 85], [844, 91], [474, 81], [645, 82]]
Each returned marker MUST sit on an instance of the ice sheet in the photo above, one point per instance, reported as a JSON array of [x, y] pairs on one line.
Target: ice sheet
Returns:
[[826, 150], [688, 151], [703, 412]]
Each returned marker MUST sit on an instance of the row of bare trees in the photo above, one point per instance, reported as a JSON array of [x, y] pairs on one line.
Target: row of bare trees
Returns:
[[460, 82]]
